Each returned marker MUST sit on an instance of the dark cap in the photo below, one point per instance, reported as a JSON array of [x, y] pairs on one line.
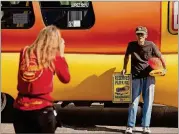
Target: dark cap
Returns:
[[141, 29]]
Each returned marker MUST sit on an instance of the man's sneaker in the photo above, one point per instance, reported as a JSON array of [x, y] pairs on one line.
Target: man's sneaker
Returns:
[[146, 130], [128, 130]]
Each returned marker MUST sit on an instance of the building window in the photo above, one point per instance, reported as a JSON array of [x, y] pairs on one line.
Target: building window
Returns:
[[17, 15], [68, 14]]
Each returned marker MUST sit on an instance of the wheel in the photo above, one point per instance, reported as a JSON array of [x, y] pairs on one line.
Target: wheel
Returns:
[[3, 101], [6, 108]]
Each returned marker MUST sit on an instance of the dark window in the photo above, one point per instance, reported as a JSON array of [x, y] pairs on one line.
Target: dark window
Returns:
[[173, 17], [68, 14], [17, 15]]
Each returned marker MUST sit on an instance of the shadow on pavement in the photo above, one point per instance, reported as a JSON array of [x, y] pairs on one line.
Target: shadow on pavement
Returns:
[[94, 128]]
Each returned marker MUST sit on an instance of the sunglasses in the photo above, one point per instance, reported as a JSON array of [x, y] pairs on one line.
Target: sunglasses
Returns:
[[140, 34]]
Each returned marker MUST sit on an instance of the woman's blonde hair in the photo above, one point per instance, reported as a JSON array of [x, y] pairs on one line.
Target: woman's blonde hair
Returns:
[[43, 46]]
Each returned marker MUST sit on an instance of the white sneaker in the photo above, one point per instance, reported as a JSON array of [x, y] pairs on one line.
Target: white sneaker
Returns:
[[128, 130], [146, 130]]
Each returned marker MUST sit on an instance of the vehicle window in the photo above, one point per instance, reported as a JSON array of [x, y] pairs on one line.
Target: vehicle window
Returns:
[[17, 15], [68, 14], [173, 17]]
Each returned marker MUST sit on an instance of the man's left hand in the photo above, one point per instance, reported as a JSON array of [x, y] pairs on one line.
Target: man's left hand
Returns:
[[164, 72]]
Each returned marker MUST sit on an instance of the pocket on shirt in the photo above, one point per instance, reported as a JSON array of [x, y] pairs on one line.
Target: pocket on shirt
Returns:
[[148, 55]]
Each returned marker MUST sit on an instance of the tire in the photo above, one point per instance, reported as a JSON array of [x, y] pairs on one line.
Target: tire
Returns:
[[7, 111], [3, 101]]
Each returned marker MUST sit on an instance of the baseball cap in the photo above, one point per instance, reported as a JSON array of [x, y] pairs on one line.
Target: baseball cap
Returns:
[[141, 29]]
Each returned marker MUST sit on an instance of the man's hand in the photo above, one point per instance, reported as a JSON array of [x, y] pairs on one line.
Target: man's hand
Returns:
[[123, 72], [164, 72]]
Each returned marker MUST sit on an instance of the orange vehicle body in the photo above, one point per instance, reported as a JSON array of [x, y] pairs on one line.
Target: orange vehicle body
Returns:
[[95, 54]]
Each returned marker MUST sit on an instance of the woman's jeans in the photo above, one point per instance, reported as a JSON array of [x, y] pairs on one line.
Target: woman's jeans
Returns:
[[146, 86]]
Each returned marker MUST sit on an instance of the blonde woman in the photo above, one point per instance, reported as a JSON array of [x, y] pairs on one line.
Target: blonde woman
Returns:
[[34, 112]]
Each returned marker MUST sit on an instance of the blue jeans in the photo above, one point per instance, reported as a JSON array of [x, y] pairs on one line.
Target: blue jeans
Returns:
[[146, 86]]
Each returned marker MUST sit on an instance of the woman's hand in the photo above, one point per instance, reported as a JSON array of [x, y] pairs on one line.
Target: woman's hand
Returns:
[[62, 47]]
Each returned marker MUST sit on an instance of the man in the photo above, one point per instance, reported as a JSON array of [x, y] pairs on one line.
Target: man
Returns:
[[140, 51]]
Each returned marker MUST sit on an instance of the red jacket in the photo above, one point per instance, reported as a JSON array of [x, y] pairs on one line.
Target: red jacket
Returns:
[[35, 84]]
